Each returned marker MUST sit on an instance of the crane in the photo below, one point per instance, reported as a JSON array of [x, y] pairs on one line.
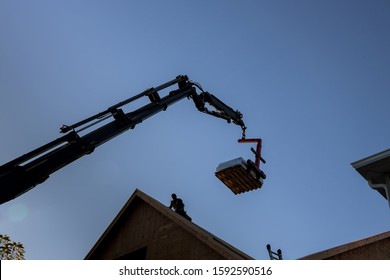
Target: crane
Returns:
[[25, 172]]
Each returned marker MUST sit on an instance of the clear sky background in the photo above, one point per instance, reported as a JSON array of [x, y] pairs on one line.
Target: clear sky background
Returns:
[[310, 77]]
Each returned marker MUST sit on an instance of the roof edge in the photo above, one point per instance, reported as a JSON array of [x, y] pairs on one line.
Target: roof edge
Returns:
[[346, 247], [371, 159]]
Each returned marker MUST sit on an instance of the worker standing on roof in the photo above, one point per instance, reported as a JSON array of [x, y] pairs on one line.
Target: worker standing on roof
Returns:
[[178, 206]]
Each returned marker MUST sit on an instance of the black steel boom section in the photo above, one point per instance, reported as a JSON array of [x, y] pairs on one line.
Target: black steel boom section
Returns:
[[25, 172]]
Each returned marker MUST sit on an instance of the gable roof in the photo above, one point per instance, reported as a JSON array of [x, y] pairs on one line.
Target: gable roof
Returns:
[[347, 247], [212, 241]]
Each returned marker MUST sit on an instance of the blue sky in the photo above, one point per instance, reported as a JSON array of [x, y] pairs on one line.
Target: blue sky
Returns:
[[310, 77]]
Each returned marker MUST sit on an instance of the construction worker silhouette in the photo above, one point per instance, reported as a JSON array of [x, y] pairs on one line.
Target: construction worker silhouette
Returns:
[[178, 206]]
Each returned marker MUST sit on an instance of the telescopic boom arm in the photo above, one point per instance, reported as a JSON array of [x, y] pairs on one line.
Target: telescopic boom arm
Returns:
[[23, 173]]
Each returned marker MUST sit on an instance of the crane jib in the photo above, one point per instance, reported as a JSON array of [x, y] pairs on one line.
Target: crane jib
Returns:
[[27, 171]]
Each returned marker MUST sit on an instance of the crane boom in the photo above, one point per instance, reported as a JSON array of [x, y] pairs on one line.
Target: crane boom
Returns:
[[25, 172]]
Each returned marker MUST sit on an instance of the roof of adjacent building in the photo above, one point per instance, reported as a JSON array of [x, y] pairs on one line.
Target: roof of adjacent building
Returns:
[[329, 253], [374, 168]]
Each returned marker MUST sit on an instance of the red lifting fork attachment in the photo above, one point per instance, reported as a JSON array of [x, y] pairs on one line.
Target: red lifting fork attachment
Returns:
[[257, 152]]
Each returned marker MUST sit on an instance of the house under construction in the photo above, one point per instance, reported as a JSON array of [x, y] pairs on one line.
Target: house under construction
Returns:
[[146, 229]]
